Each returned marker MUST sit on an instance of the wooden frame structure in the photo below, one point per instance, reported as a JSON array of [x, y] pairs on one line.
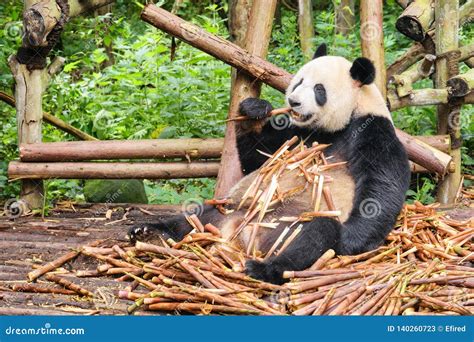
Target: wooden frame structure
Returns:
[[438, 154]]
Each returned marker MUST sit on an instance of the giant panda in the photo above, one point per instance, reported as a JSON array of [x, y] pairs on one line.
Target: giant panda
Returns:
[[336, 103]]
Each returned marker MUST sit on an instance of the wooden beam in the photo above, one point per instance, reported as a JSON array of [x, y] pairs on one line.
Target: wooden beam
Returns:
[[371, 33], [119, 170], [150, 149], [446, 39], [216, 46], [122, 149], [244, 85]]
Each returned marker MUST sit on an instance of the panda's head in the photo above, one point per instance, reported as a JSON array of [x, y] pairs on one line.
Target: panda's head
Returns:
[[326, 91]]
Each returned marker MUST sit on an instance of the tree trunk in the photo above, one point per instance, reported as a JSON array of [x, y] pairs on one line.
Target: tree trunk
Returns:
[[371, 31], [345, 17], [446, 39], [119, 170], [256, 43], [239, 13], [305, 26]]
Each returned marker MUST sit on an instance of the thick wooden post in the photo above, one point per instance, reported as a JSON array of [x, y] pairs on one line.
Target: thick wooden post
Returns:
[[305, 26], [371, 32], [256, 42], [446, 39]]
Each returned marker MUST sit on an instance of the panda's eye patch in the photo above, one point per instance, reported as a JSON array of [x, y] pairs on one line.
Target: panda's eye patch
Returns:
[[320, 94], [297, 85]]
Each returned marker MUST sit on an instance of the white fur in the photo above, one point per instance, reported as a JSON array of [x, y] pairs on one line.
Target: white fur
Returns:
[[344, 95]]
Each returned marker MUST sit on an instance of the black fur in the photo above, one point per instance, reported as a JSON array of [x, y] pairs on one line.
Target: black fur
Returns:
[[320, 94], [321, 51], [379, 165], [175, 227], [363, 70]]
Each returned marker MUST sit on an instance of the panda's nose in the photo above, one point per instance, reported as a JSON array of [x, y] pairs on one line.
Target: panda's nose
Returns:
[[294, 103]]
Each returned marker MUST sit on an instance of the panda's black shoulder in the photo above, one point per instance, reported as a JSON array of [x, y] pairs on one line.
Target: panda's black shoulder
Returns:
[[373, 139], [371, 128]]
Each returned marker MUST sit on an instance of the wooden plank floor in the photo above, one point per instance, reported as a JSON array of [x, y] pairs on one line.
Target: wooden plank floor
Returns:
[[29, 241]]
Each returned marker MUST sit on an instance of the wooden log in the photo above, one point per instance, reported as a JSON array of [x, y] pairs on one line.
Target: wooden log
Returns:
[[461, 85], [421, 97], [42, 16], [466, 12], [404, 82], [244, 85], [438, 162], [121, 149], [83, 151], [218, 47], [410, 57], [119, 170], [239, 58], [416, 19], [305, 27], [371, 33], [446, 39], [29, 86]]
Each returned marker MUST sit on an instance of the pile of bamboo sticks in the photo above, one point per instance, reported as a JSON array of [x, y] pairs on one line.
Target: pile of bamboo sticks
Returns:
[[264, 194], [424, 269]]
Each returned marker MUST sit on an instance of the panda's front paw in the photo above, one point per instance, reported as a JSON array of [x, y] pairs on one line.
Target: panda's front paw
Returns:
[[146, 232], [265, 271], [254, 108]]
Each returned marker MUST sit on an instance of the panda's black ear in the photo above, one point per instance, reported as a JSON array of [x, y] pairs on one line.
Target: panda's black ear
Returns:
[[321, 51], [363, 70]]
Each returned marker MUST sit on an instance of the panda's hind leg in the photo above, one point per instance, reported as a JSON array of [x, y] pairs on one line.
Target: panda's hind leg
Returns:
[[315, 238]]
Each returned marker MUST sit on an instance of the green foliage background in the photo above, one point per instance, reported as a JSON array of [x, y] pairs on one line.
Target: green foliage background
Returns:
[[146, 95]]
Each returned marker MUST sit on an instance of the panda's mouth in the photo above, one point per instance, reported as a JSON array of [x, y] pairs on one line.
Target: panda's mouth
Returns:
[[300, 117]]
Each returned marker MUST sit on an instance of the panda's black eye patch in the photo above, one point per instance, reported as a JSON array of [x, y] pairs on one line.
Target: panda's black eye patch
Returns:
[[320, 94], [297, 85]]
